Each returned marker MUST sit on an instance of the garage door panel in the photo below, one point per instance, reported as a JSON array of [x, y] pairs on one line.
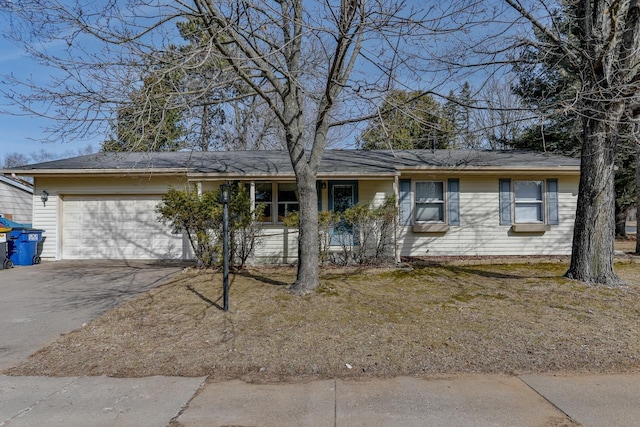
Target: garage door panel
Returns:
[[73, 234], [116, 227], [72, 218]]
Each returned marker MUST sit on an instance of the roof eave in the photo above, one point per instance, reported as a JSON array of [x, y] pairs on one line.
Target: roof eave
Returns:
[[493, 170], [204, 176], [76, 172]]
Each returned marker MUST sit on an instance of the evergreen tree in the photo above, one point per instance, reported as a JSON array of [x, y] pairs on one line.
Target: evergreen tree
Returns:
[[147, 122], [465, 135], [408, 120], [549, 83]]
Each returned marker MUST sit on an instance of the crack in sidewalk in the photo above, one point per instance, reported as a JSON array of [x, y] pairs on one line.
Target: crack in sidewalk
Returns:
[[549, 401], [39, 401]]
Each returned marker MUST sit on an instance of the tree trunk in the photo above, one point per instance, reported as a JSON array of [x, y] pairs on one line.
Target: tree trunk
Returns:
[[637, 195], [593, 235], [305, 169], [621, 221], [308, 252]]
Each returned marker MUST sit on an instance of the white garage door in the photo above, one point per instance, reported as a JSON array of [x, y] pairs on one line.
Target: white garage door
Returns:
[[116, 227]]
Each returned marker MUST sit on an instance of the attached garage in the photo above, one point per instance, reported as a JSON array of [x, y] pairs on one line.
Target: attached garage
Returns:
[[115, 227]]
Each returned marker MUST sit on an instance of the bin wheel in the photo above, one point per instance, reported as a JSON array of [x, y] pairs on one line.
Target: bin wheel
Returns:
[[36, 259], [7, 264]]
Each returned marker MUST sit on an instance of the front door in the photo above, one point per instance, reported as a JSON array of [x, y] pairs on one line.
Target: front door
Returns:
[[342, 196]]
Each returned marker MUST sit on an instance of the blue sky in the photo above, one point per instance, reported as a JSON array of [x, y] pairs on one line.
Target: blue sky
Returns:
[[19, 133]]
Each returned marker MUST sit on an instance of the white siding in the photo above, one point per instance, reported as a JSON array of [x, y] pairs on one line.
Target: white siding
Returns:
[[46, 218], [374, 192], [479, 232], [278, 245], [16, 202]]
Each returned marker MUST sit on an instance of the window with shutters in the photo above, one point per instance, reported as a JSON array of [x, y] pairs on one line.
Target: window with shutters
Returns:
[[429, 206], [429, 202], [528, 202], [529, 205]]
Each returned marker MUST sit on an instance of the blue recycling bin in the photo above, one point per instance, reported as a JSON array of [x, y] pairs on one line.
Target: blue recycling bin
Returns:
[[23, 246]]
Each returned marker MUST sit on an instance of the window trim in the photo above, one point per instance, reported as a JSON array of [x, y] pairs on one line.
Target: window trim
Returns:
[[444, 201], [542, 202], [451, 205]]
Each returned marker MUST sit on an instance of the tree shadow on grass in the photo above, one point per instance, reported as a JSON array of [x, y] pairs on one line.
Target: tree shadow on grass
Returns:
[[208, 300], [263, 279], [492, 274], [205, 298], [484, 273]]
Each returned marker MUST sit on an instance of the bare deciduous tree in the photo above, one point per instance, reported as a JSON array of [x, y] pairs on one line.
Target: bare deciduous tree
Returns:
[[503, 119], [316, 65]]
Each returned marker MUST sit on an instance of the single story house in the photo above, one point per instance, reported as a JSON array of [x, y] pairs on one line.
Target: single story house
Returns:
[[452, 202], [16, 199]]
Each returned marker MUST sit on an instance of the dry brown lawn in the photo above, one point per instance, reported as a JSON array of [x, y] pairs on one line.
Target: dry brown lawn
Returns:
[[420, 320], [627, 245]]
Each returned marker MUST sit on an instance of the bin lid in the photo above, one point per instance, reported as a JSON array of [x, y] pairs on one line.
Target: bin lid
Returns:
[[4, 230], [4, 222], [19, 231]]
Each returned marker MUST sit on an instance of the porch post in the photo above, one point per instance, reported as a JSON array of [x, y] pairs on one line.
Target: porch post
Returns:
[[252, 195]]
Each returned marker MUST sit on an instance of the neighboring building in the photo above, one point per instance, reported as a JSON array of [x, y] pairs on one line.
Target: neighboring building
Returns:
[[16, 199], [452, 203]]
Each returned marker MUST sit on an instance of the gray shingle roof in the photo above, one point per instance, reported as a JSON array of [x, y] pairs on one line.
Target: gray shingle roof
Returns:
[[334, 162]]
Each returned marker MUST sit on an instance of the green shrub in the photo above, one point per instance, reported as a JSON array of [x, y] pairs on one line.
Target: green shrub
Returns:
[[200, 218], [365, 235]]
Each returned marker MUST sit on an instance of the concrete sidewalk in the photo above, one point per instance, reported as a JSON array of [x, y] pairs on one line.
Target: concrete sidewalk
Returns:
[[459, 401], [477, 400], [93, 401]]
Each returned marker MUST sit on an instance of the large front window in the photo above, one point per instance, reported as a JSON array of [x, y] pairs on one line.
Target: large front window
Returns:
[[429, 201], [529, 201], [281, 196]]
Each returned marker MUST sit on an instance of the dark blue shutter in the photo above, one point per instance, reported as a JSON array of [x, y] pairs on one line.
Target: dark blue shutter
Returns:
[[505, 202], [453, 203], [552, 202], [405, 202]]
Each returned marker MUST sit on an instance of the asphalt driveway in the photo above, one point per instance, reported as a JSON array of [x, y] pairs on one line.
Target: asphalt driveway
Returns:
[[40, 302]]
